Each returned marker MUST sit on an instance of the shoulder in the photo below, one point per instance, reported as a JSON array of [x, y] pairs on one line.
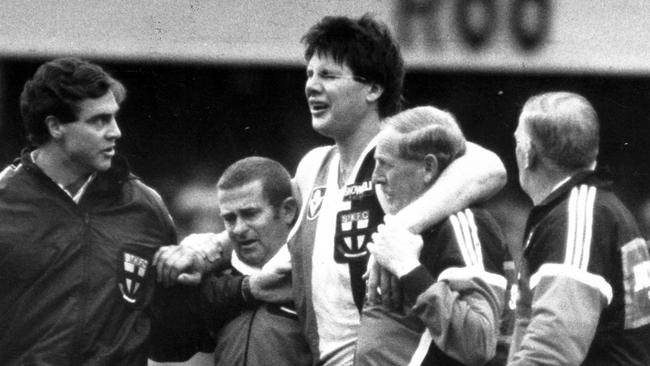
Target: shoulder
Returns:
[[471, 224], [149, 197], [313, 156], [456, 237], [591, 209], [309, 166], [9, 172], [583, 227], [145, 190], [475, 236], [608, 208]]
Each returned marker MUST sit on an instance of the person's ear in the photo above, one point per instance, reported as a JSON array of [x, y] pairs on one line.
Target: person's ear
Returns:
[[289, 210], [54, 127], [430, 168], [375, 92]]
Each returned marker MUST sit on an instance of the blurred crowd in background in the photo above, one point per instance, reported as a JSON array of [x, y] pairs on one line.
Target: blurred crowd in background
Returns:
[[183, 124]]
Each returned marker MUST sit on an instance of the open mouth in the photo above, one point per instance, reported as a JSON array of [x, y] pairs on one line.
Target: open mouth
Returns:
[[110, 151], [317, 107]]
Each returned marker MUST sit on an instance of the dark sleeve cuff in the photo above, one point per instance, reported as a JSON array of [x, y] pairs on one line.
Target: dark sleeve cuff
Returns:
[[222, 291], [246, 294], [416, 282]]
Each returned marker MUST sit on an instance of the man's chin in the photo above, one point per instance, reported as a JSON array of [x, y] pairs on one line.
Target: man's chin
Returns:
[[103, 165], [253, 261], [322, 126], [249, 255], [385, 203]]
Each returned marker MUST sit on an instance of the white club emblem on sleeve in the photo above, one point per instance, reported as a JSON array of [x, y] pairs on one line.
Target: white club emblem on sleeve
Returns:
[[135, 269], [315, 202]]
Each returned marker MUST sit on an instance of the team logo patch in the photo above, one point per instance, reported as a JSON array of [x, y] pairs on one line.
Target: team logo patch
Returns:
[[636, 279], [315, 202], [353, 232], [134, 272]]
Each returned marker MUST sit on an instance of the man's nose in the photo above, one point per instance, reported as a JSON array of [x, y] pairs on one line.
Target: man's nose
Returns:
[[312, 85], [114, 131], [240, 227]]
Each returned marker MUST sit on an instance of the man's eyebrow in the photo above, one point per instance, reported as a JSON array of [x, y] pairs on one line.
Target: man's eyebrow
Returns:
[[248, 208], [101, 116]]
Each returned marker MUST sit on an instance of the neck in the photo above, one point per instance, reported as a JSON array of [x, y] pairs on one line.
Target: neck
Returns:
[[56, 165], [352, 145], [541, 186]]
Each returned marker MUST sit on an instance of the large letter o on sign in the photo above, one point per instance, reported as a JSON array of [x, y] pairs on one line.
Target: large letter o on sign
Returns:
[[476, 20], [530, 22]]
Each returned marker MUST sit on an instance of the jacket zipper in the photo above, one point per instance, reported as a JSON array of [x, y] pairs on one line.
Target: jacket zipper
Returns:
[[79, 344], [248, 336]]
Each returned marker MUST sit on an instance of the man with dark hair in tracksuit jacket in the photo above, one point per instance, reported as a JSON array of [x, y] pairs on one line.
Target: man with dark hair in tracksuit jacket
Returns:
[[251, 326], [77, 230], [584, 285], [257, 207]]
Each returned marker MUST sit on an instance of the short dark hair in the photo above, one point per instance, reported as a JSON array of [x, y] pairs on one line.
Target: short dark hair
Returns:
[[563, 127], [367, 47], [56, 89], [428, 130], [276, 180]]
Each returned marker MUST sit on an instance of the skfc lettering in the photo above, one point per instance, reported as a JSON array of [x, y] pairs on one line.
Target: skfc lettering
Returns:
[[355, 216], [135, 260]]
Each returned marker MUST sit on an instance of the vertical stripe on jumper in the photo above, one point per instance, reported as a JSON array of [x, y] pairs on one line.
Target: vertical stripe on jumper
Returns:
[[467, 237], [579, 231]]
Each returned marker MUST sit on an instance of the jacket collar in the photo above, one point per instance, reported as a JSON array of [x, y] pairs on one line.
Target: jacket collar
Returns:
[[118, 173], [597, 178]]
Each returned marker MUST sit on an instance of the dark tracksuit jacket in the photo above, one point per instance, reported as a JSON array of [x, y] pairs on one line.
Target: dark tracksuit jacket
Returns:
[[452, 301], [584, 289], [75, 278], [248, 332]]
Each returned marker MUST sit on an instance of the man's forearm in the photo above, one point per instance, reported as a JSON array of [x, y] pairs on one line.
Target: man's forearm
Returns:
[[475, 176], [461, 316]]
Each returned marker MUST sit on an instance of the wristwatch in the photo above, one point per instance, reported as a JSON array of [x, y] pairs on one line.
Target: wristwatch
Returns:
[[246, 293]]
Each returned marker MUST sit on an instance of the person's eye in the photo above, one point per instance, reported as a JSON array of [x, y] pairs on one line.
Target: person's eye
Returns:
[[100, 120], [326, 75], [249, 214], [228, 219]]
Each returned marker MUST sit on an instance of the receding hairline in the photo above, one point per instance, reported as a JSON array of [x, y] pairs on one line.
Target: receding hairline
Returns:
[[564, 127], [561, 103], [275, 180]]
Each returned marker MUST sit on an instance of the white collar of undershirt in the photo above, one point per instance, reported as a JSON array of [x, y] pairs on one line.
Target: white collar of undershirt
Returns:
[[75, 197], [242, 267], [561, 183]]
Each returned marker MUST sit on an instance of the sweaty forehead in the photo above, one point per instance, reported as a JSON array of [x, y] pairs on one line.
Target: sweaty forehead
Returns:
[[325, 61]]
